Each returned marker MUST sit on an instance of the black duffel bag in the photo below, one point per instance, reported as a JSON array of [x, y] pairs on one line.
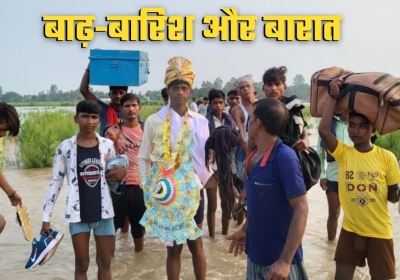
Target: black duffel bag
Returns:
[[309, 160]]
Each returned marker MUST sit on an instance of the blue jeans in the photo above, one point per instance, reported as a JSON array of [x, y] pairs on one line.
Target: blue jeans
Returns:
[[102, 227]]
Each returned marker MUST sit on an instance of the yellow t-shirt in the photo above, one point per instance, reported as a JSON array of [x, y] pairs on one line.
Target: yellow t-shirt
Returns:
[[363, 189]]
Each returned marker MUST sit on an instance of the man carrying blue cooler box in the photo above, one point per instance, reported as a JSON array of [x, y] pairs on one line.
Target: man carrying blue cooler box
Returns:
[[111, 113]]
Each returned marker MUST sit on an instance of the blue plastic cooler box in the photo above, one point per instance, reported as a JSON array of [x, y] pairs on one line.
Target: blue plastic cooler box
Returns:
[[118, 68]]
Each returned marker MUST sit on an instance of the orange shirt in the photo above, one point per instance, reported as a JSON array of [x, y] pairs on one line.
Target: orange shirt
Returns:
[[128, 143]]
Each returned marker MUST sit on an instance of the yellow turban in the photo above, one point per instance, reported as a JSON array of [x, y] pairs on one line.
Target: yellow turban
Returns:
[[179, 68]]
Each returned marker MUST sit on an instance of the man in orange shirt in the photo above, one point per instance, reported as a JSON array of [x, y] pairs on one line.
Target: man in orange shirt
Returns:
[[130, 203]]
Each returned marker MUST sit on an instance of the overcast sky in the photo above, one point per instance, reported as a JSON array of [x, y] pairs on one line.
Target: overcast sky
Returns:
[[30, 63]]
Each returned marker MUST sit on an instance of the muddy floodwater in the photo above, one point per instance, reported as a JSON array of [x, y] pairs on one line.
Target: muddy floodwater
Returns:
[[150, 264]]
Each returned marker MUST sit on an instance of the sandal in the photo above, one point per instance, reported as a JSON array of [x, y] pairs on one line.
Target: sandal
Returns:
[[24, 221]]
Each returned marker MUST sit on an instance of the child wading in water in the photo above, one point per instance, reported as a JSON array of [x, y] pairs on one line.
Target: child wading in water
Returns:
[[82, 158], [224, 137]]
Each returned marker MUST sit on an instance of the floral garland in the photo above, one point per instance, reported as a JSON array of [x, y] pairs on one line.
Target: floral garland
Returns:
[[184, 132], [167, 138]]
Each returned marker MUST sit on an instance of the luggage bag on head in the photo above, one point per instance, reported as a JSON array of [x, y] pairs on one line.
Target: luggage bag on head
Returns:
[[376, 95], [319, 96]]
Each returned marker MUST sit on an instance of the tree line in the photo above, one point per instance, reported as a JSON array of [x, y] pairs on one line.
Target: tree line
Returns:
[[298, 87]]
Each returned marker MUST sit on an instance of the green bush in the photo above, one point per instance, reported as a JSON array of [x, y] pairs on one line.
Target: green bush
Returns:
[[306, 113], [41, 133], [152, 103], [148, 110], [390, 142]]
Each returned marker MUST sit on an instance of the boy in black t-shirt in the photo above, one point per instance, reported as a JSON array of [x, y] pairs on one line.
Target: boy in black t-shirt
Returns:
[[110, 114], [82, 158]]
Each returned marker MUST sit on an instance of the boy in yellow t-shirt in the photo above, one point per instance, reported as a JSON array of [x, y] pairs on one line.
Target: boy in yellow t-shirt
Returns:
[[368, 178]]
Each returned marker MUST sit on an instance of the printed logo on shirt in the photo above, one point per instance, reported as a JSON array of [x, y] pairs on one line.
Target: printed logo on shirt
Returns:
[[361, 175], [261, 184], [349, 175], [362, 192], [128, 146], [363, 199], [91, 171], [373, 175], [372, 187]]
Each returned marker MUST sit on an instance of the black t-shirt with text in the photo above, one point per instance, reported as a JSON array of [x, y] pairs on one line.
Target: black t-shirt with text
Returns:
[[89, 182]]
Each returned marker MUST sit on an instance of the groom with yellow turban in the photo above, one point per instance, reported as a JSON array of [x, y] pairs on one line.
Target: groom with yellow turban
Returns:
[[173, 171]]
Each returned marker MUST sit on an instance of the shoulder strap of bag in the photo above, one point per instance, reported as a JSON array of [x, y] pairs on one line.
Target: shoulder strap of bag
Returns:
[[295, 103]]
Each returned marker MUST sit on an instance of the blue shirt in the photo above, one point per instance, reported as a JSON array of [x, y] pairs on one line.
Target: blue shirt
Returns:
[[269, 186], [103, 117]]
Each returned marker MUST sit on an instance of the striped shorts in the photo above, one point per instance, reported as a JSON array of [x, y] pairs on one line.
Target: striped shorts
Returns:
[[259, 272]]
